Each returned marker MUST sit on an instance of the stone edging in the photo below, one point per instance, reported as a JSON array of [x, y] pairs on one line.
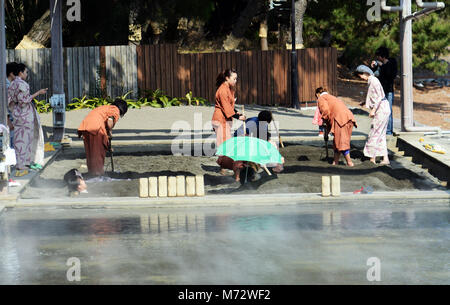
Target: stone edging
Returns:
[[229, 200]]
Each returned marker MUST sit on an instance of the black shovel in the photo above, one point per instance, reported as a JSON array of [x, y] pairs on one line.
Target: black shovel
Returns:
[[111, 155], [325, 137]]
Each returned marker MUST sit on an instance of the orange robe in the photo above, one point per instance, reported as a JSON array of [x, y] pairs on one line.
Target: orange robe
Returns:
[[223, 112], [95, 136], [339, 118]]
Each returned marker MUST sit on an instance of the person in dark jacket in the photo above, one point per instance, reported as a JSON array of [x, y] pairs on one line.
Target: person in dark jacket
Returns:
[[253, 128], [385, 69]]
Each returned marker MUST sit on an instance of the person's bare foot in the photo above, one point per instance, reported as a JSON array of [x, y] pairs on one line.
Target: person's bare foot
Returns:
[[334, 163], [278, 169], [385, 163], [224, 172], [350, 164]]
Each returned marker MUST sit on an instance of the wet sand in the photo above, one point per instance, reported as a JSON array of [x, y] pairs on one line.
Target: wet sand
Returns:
[[304, 167]]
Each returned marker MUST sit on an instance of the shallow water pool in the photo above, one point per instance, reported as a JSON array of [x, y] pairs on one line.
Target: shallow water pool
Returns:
[[303, 244]]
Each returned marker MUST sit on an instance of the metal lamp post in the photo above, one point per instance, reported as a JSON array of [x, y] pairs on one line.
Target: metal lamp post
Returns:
[[294, 72], [57, 101], [3, 98], [406, 18]]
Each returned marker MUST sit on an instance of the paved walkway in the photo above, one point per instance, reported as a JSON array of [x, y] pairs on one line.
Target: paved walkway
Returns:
[[162, 125]]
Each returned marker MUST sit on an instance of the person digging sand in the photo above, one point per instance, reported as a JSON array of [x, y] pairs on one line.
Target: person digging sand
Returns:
[[96, 130], [340, 122]]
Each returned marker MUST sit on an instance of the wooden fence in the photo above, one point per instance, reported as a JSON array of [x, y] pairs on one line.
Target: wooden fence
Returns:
[[263, 76]]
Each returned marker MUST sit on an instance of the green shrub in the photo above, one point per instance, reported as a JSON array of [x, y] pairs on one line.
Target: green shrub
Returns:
[[197, 100], [156, 99], [42, 106]]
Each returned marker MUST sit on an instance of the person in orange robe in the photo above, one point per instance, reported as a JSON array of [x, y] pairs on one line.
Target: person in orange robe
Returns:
[[224, 113], [96, 131], [340, 122]]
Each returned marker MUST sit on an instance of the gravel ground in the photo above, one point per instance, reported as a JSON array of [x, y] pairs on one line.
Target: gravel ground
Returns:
[[304, 167]]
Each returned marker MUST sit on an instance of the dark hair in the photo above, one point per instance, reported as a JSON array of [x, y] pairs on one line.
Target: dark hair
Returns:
[[71, 178], [320, 90], [223, 75], [11, 67], [122, 105], [265, 116], [383, 52], [20, 68], [357, 73]]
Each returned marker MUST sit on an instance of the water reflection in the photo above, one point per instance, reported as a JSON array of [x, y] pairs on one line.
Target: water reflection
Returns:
[[235, 246], [161, 222]]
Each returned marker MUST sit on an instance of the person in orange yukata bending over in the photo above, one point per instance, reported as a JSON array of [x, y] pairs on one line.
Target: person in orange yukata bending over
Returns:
[[96, 131], [224, 111], [340, 122]]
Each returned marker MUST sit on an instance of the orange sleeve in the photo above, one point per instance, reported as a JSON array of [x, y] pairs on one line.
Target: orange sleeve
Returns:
[[226, 101]]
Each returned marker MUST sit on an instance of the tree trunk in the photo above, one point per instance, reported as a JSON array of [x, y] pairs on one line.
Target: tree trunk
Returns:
[[232, 41], [134, 28], [263, 35], [300, 9], [39, 35]]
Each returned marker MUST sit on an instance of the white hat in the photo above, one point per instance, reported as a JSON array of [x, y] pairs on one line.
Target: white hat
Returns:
[[364, 69]]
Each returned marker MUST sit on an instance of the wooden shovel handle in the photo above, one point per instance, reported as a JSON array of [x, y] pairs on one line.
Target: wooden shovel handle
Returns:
[[267, 171], [279, 137]]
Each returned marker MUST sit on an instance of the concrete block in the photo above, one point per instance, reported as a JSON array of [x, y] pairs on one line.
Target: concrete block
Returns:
[[181, 186], [190, 186], [326, 186], [153, 187], [336, 186], [162, 186], [172, 186], [199, 185], [143, 187]]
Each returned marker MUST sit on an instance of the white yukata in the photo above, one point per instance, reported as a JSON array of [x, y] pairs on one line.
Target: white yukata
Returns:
[[376, 142]]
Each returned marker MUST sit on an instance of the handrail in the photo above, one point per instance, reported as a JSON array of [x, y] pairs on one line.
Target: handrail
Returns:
[[437, 5], [384, 7]]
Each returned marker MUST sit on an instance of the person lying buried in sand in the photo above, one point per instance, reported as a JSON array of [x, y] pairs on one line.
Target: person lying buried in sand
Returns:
[[75, 182]]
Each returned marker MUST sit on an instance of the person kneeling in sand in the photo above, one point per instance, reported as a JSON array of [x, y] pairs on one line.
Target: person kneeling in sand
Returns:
[[75, 182], [257, 127]]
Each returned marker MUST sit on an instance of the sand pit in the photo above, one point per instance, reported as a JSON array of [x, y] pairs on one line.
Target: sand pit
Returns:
[[304, 167]]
